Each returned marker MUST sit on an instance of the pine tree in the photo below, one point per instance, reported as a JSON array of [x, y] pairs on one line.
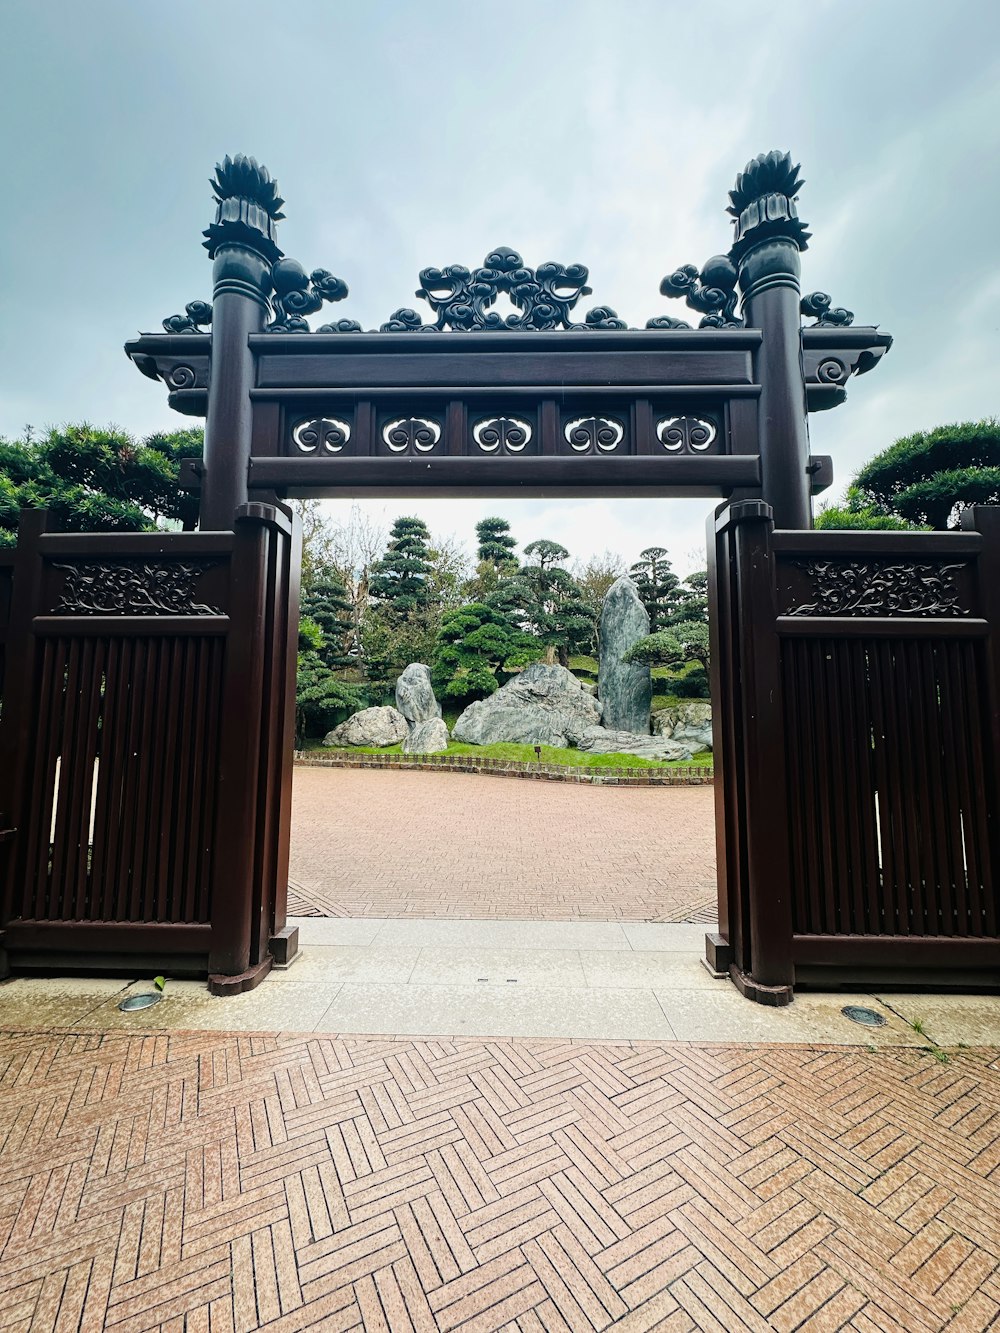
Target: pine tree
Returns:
[[400, 579], [545, 600], [657, 584], [474, 642], [327, 604], [495, 544]]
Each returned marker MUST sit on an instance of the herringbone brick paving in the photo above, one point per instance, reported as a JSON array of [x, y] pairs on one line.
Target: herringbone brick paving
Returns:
[[378, 843], [202, 1181]]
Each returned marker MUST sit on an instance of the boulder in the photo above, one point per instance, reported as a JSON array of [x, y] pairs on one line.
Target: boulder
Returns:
[[372, 726], [689, 722], [430, 737], [601, 740], [544, 705], [415, 694], [625, 689]]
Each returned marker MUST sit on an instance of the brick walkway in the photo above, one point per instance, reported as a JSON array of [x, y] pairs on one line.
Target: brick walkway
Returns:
[[385, 844], [215, 1182]]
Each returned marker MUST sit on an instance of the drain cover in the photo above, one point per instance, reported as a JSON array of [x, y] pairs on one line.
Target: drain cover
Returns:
[[132, 1002], [857, 1013]]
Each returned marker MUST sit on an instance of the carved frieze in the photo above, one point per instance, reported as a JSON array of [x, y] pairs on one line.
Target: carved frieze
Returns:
[[686, 435], [587, 435], [411, 435], [880, 588], [508, 435], [132, 588], [321, 435]]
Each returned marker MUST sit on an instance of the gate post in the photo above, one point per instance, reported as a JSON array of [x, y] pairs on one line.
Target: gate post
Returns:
[[242, 244], [16, 727], [251, 830], [754, 862], [769, 236]]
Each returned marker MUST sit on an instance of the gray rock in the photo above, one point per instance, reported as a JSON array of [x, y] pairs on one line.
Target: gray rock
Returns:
[[415, 694], [625, 689], [430, 737], [372, 726], [544, 705], [600, 740], [689, 722]]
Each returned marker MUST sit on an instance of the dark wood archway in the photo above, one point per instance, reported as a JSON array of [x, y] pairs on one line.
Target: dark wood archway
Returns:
[[543, 402]]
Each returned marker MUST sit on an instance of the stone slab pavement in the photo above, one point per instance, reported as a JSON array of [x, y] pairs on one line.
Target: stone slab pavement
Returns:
[[379, 843]]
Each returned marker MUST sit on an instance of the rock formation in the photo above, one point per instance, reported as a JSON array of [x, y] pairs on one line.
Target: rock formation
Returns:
[[430, 737], [625, 689], [415, 694], [544, 705], [372, 726], [689, 722], [600, 740]]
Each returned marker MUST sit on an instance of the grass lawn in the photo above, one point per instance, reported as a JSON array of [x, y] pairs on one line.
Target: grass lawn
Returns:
[[550, 755]]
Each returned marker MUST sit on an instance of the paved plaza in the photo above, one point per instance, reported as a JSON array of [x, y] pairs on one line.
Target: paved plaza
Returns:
[[210, 1181], [536, 1124], [377, 843]]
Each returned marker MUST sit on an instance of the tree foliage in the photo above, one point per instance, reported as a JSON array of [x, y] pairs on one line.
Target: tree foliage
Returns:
[[94, 479], [654, 578], [400, 580], [686, 641], [924, 480], [495, 545], [545, 602], [327, 605], [474, 643]]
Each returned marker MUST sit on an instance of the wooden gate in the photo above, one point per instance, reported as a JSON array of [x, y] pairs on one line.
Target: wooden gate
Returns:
[[145, 747], [857, 728], [145, 740]]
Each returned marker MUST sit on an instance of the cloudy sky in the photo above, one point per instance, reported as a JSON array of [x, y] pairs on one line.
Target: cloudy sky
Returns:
[[413, 132]]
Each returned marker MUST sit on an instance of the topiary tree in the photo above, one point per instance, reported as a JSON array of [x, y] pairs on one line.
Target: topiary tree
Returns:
[[495, 545], [326, 603], [94, 479], [474, 643], [400, 579], [657, 583], [690, 600], [546, 602], [924, 480], [684, 642], [321, 698]]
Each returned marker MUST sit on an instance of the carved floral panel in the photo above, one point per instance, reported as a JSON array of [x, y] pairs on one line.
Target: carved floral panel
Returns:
[[880, 588], [132, 588]]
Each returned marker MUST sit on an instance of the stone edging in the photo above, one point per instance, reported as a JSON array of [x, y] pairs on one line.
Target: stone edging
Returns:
[[690, 775]]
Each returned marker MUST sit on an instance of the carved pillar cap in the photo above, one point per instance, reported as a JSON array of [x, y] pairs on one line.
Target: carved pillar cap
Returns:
[[249, 208], [762, 203]]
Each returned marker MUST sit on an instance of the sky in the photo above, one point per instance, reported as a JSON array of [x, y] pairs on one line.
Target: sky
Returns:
[[405, 134]]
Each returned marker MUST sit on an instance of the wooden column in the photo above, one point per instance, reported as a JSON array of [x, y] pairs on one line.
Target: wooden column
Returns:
[[769, 237], [242, 244], [760, 878]]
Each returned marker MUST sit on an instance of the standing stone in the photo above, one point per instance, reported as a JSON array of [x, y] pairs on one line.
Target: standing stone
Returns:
[[415, 694], [430, 737], [625, 689]]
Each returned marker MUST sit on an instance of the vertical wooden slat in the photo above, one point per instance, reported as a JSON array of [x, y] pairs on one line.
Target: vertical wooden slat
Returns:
[[983, 780], [857, 683], [59, 907], [949, 786], [50, 703], [83, 781], [886, 777]]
